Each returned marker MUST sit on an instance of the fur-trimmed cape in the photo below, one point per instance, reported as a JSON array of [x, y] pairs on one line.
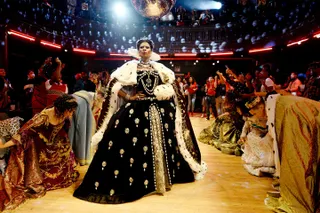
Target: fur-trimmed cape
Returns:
[[126, 75]]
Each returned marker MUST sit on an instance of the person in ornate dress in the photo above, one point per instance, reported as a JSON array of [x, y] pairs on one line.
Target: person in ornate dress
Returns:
[[41, 156], [257, 143], [294, 124], [225, 130], [146, 145]]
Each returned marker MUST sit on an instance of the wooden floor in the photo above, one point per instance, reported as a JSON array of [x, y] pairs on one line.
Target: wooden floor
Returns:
[[227, 188]]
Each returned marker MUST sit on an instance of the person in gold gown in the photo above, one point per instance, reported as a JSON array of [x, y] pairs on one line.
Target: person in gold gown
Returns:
[[41, 156], [225, 131], [294, 124]]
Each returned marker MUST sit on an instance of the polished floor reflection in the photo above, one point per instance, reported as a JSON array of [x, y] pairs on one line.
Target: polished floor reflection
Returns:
[[227, 188]]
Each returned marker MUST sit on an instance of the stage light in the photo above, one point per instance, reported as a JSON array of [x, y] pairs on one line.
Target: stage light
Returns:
[[297, 42], [316, 35], [213, 64], [221, 53], [49, 44], [185, 54], [120, 9], [84, 51], [21, 35], [217, 5], [260, 50], [204, 5], [119, 54]]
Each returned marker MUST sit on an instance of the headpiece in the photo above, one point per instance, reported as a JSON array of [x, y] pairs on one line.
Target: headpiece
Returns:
[[253, 102]]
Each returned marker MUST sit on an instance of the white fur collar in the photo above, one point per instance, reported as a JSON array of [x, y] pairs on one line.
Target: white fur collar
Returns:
[[127, 73]]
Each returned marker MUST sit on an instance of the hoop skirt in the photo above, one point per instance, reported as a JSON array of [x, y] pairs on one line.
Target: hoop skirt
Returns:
[[138, 154]]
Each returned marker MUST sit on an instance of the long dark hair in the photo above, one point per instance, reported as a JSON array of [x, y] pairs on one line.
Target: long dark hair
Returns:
[[140, 41], [64, 103]]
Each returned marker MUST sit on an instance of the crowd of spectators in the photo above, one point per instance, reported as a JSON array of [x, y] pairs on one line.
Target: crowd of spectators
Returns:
[[235, 27]]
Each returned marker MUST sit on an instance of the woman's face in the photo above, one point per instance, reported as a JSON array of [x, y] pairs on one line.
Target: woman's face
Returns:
[[145, 50], [69, 113], [190, 80]]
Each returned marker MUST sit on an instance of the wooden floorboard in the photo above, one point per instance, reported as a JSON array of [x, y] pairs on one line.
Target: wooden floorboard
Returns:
[[227, 188]]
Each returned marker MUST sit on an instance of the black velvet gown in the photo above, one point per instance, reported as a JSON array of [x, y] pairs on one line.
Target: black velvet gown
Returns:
[[138, 154]]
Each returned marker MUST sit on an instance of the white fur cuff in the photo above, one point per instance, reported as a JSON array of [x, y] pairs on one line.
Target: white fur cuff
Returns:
[[163, 92], [97, 137]]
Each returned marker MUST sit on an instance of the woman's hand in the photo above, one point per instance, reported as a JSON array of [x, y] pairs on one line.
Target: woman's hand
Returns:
[[242, 140], [137, 96]]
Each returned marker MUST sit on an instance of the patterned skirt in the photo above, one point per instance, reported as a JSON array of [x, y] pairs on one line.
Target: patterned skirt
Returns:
[[138, 155]]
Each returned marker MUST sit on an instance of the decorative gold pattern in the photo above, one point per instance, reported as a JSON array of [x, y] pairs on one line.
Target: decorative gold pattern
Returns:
[[130, 181], [116, 124], [166, 126], [134, 140], [146, 182], [121, 152], [131, 112], [162, 111], [137, 121], [116, 173], [131, 161], [112, 192], [158, 155], [178, 165], [127, 130], [145, 149], [145, 165], [104, 164], [110, 144], [146, 131], [96, 184], [171, 115]]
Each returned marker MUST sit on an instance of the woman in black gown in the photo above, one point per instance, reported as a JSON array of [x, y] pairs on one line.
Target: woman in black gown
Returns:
[[145, 145]]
